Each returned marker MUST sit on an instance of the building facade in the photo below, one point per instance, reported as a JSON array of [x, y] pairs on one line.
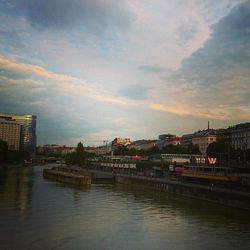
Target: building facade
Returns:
[[142, 144], [10, 132], [162, 140], [203, 138], [174, 141], [28, 130], [186, 140], [241, 136], [121, 142]]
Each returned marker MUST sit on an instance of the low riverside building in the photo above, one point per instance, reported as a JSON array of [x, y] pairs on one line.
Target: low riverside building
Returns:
[[100, 150], [53, 149], [10, 132]]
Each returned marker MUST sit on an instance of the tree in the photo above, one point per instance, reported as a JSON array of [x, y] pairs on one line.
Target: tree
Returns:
[[71, 158], [77, 157], [220, 149], [121, 150], [80, 154], [153, 151], [3, 150]]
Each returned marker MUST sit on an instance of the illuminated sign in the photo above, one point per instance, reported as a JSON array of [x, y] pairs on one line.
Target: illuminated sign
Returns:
[[211, 160]]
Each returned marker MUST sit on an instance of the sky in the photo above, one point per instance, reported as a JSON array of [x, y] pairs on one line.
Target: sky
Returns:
[[94, 70]]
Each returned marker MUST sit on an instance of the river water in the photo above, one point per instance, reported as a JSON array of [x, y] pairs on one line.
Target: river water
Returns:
[[39, 214]]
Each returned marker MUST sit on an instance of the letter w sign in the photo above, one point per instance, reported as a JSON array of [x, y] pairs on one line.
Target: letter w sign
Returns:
[[211, 160]]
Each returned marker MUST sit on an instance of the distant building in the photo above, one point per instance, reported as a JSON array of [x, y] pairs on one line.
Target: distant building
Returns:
[[121, 142], [173, 141], [203, 138], [186, 140], [28, 130], [53, 149], [10, 132], [100, 150], [241, 136], [224, 135], [162, 142], [143, 144], [166, 136]]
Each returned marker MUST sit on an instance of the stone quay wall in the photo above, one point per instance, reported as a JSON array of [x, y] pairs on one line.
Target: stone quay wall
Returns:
[[66, 177], [227, 197]]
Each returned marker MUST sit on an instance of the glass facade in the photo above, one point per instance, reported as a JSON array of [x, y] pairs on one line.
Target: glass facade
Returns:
[[28, 130]]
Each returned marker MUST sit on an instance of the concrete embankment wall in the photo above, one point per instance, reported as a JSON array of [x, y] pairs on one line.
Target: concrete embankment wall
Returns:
[[222, 196], [65, 177]]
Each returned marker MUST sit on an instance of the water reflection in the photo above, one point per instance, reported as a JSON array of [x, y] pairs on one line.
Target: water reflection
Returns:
[[39, 214], [16, 189], [171, 206]]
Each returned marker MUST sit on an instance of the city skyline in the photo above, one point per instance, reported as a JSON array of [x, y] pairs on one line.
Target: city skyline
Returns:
[[94, 70]]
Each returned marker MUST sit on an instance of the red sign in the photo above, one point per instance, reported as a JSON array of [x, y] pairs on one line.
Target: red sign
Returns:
[[136, 157], [211, 160]]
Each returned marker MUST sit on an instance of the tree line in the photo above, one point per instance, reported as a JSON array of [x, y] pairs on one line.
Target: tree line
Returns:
[[78, 157], [169, 149], [223, 151], [11, 156]]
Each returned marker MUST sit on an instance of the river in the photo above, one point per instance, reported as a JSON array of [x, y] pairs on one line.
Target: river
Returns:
[[36, 213]]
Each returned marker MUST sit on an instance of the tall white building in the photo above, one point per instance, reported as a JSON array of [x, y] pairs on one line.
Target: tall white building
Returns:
[[10, 132], [28, 130]]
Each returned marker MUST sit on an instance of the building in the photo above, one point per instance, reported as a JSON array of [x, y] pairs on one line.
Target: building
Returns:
[[53, 149], [10, 132], [166, 136], [100, 150], [241, 136], [162, 141], [186, 140], [142, 144], [203, 138], [173, 141], [224, 135], [121, 142], [28, 130]]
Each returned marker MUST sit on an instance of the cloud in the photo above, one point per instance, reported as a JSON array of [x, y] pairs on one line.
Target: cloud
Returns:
[[152, 69], [214, 82], [93, 15], [186, 32], [134, 92], [124, 67], [27, 69]]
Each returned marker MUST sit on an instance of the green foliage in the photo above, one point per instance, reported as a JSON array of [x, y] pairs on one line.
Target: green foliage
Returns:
[[71, 158], [220, 149], [3, 151], [178, 149], [152, 151], [170, 149], [77, 157], [121, 150], [11, 156]]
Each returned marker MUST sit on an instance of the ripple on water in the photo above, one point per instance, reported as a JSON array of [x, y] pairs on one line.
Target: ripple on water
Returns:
[[39, 214]]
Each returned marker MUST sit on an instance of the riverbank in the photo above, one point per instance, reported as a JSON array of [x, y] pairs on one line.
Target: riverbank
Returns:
[[223, 196], [66, 177]]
